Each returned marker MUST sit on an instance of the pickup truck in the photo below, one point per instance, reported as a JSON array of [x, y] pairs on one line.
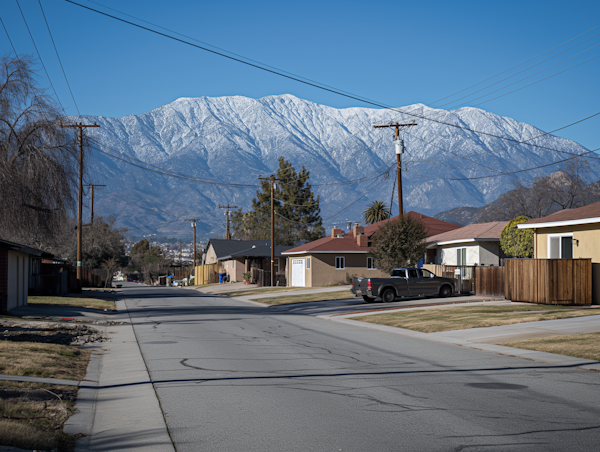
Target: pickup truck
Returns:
[[403, 282]]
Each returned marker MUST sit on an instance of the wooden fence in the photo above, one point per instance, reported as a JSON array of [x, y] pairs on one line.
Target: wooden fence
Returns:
[[489, 281], [206, 274], [549, 281]]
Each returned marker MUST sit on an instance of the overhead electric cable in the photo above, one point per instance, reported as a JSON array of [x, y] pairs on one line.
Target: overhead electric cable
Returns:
[[57, 56], [514, 67], [507, 173], [525, 78], [295, 78], [8, 36], [39, 55]]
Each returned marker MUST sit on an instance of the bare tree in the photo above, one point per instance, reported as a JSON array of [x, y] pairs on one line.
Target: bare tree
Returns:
[[563, 189], [38, 158]]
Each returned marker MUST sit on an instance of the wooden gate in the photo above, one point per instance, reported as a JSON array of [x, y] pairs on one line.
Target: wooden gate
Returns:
[[549, 281], [206, 274]]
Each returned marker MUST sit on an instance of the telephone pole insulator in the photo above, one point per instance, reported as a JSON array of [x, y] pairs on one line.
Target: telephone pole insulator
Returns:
[[227, 233], [399, 144]]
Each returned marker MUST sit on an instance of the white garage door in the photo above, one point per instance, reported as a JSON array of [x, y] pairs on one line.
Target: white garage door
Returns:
[[298, 272]]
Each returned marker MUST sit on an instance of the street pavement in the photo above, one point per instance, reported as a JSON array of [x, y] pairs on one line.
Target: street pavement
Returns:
[[231, 376]]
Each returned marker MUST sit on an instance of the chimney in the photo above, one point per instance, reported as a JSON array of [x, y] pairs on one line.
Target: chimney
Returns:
[[362, 240], [335, 232], [358, 230]]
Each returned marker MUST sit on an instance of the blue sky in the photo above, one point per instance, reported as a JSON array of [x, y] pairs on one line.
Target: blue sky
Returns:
[[397, 53]]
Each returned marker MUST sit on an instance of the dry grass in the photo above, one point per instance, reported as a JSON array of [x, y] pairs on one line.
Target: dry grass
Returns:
[[585, 346], [460, 318], [32, 417], [90, 303], [305, 298], [244, 293], [43, 360]]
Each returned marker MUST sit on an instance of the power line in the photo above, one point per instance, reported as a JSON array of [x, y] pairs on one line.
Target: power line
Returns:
[[514, 67], [39, 55], [524, 70], [507, 173], [525, 78], [294, 78], [57, 56], [8, 36]]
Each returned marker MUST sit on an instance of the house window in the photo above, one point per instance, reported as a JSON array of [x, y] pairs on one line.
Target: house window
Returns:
[[371, 264], [276, 265], [308, 263], [340, 262], [232, 264], [560, 246], [461, 256]]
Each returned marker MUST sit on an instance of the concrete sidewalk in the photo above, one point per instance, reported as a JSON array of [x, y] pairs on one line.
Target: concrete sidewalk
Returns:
[[487, 338], [118, 409]]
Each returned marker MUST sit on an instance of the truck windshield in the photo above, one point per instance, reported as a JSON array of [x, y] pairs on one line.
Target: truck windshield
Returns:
[[399, 273]]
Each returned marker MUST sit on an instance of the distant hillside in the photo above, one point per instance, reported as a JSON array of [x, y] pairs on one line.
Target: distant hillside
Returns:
[[235, 139], [460, 215], [557, 191]]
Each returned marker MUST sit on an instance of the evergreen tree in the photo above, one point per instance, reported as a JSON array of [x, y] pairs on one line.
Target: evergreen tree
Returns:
[[376, 211], [517, 242], [297, 211]]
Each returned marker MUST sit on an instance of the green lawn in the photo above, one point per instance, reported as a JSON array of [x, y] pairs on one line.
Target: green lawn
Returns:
[[459, 318]]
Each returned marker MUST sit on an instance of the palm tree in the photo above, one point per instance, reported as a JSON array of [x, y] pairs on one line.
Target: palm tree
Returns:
[[376, 211]]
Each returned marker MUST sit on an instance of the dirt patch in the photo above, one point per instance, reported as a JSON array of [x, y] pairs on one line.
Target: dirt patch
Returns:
[[32, 416], [64, 333]]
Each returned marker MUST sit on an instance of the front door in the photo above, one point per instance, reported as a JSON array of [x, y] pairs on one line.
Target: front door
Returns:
[[298, 273]]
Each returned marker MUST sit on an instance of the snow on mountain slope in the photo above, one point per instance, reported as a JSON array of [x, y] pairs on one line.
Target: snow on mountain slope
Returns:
[[235, 139]]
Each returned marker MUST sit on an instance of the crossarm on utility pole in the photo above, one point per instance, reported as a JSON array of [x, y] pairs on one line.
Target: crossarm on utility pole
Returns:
[[399, 150]]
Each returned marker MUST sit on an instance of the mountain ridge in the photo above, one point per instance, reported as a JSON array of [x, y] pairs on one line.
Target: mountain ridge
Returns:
[[235, 138]]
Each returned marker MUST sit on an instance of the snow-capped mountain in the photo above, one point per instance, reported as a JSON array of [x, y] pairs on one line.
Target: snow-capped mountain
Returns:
[[235, 139]]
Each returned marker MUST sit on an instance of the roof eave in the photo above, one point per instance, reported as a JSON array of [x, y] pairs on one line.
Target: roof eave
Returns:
[[553, 224]]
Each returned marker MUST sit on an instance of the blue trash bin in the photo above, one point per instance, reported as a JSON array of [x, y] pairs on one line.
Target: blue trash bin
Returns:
[[222, 277]]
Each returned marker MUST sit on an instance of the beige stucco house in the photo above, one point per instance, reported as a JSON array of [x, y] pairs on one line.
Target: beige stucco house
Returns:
[[475, 244], [570, 234], [328, 260], [236, 257]]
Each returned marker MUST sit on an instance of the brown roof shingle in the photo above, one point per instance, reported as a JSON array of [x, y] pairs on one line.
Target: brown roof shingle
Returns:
[[581, 213], [348, 244], [480, 231]]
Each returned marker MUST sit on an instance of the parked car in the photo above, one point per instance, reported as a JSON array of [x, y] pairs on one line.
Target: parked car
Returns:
[[403, 282]]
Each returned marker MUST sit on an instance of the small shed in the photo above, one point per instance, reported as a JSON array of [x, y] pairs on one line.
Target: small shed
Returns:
[[20, 271]]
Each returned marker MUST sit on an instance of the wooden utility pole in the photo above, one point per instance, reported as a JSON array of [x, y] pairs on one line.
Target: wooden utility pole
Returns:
[[399, 143], [180, 255], [193, 222], [80, 127], [227, 233], [92, 203], [273, 186]]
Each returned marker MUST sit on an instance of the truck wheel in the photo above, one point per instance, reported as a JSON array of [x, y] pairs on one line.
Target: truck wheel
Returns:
[[368, 299], [388, 296], [445, 291]]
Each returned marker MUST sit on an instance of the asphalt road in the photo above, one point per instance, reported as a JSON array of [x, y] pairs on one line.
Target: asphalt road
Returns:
[[234, 377]]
